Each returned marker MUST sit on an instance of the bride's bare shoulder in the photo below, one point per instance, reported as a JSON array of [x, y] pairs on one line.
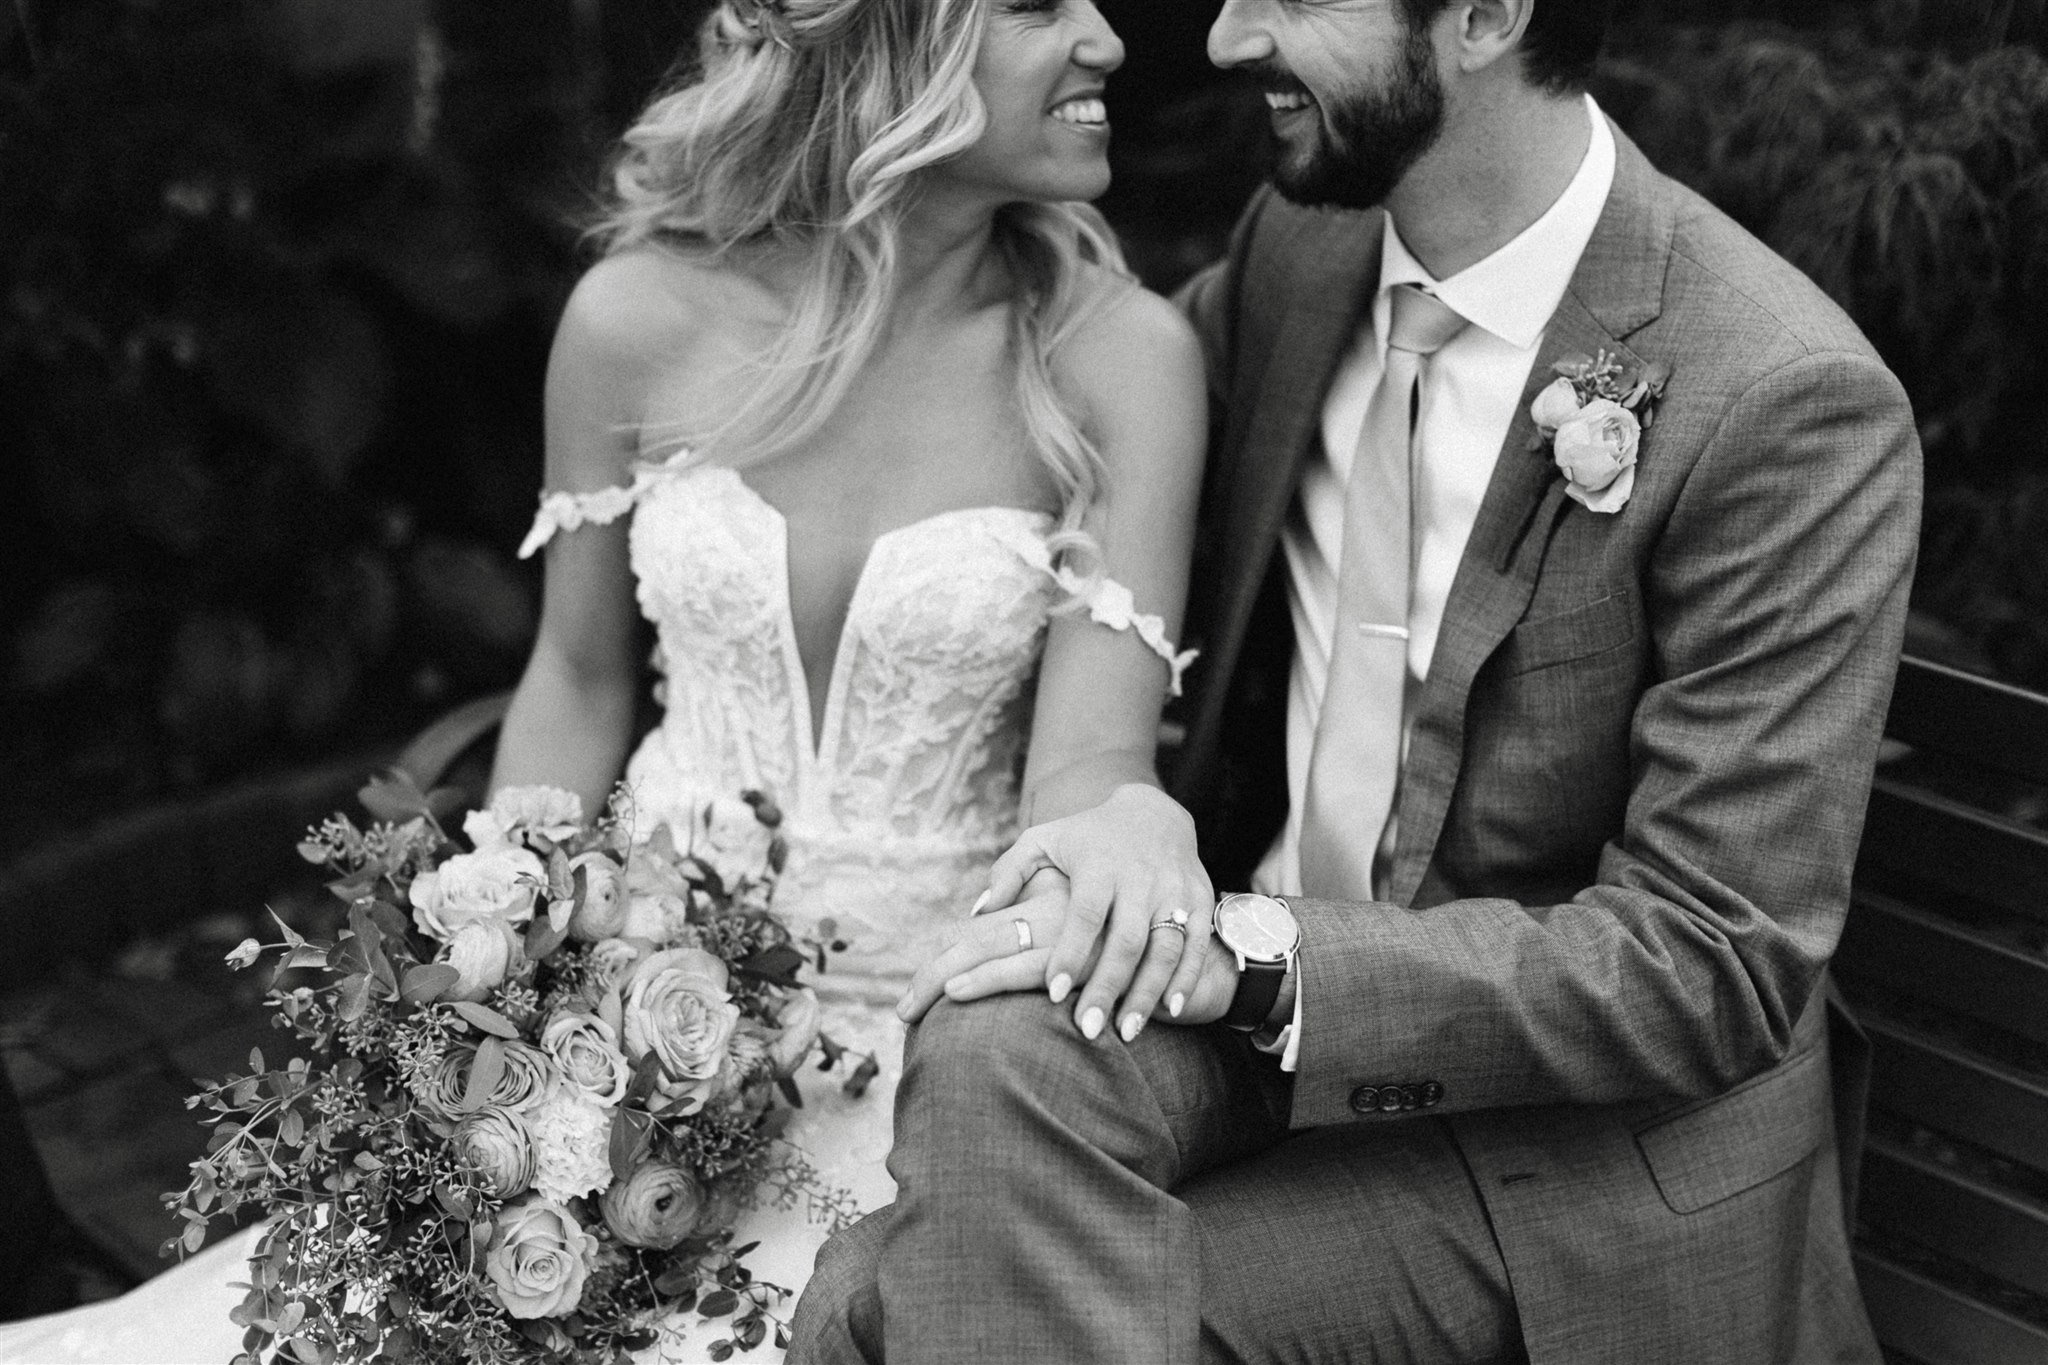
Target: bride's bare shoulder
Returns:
[[661, 301], [1133, 357]]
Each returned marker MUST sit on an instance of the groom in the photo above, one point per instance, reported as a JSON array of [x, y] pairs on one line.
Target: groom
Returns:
[[1552, 738]]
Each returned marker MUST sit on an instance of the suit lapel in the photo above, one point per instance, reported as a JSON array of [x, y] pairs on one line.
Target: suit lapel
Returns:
[[1616, 289], [1338, 259]]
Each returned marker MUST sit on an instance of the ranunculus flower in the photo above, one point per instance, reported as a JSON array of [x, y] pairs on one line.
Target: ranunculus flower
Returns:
[[550, 812], [524, 1083], [676, 1005], [601, 909], [538, 1259], [586, 1052], [571, 1145], [1556, 405], [484, 952], [495, 883], [1597, 452], [798, 1020], [657, 1206], [496, 1143]]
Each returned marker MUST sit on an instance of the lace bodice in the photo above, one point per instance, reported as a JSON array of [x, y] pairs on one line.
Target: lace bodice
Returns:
[[910, 790]]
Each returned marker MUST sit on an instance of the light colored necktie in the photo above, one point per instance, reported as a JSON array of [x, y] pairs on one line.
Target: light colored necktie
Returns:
[[1356, 763]]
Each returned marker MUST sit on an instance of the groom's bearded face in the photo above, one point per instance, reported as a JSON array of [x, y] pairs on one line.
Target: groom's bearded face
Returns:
[[1352, 146]]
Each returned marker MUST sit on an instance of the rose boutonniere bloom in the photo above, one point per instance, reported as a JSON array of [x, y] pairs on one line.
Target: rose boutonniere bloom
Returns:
[[1591, 419]]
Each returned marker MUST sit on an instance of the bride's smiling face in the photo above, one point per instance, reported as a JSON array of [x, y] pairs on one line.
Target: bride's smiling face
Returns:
[[1042, 74]]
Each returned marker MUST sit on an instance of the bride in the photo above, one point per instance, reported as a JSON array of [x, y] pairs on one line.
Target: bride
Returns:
[[862, 414]]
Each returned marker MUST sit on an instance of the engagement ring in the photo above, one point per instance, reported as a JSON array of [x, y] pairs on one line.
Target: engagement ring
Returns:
[[1023, 934], [1177, 920]]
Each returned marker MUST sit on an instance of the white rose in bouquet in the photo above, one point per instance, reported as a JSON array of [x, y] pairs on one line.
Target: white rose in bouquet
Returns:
[[586, 1051], [539, 1258], [495, 883], [677, 1005]]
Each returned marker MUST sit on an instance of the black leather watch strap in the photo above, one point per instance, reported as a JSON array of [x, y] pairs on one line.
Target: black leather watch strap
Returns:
[[1258, 986]]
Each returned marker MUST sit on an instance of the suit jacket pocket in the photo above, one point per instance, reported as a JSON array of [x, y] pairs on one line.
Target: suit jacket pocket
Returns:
[[1598, 626], [1718, 1148]]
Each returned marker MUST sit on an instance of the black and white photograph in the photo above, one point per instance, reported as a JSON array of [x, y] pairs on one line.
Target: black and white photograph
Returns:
[[1031, 682]]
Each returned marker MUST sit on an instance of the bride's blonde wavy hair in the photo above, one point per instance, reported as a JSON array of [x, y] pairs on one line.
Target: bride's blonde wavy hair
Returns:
[[806, 123]]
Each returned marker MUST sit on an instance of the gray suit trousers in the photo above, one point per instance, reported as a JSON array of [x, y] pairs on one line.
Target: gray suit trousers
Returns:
[[1079, 1201]]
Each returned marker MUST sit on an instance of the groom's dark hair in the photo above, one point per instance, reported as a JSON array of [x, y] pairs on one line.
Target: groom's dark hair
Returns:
[[1561, 46]]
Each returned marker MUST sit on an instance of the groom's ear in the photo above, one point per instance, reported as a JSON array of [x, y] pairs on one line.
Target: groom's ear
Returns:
[[1488, 32]]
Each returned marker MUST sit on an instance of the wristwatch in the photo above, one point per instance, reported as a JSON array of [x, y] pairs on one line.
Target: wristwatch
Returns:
[[1261, 931]]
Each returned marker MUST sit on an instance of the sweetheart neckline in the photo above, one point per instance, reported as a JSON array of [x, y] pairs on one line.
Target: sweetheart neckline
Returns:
[[817, 730]]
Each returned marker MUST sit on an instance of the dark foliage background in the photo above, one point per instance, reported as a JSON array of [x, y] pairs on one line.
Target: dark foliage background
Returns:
[[277, 279]]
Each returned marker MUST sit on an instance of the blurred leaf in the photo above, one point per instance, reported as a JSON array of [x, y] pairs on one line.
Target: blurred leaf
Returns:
[[393, 796]]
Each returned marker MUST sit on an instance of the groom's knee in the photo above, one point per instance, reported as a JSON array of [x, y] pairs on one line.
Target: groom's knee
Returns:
[[1014, 1043], [838, 1319], [985, 1075]]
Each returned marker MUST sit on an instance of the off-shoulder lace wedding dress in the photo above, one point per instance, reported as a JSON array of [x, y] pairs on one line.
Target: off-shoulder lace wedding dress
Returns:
[[893, 815]]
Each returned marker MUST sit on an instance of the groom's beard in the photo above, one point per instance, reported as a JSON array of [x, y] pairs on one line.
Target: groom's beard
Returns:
[[1366, 144]]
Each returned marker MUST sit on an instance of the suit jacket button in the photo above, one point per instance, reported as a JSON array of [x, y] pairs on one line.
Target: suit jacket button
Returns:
[[1390, 1099], [1411, 1097], [1432, 1092], [1365, 1100]]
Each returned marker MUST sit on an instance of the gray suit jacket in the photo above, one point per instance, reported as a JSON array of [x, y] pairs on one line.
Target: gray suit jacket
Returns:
[[1635, 782]]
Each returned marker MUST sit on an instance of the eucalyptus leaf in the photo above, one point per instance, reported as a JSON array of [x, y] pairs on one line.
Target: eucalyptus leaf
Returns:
[[352, 998], [543, 937], [425, 983], [631, 1135], [486, 1019], [485, 1072]]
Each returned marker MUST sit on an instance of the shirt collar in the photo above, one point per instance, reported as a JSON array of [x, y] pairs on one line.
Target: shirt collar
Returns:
[[1513, 292]]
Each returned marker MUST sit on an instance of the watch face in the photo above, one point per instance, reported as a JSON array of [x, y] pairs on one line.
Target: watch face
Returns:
[[1258, 926]]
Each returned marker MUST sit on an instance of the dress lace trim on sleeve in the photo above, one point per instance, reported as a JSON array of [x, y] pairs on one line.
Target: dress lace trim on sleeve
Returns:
[[560, 511], [1110, 603]]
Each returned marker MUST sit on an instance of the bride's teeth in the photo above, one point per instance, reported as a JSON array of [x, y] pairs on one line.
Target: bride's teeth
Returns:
[[1087, 111], [1292, 99]]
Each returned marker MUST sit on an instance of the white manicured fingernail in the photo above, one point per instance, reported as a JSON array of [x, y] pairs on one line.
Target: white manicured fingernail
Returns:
[[1091, 1022], [1132, 1023], [1061, 984], [1176, 1004], [982, 903]]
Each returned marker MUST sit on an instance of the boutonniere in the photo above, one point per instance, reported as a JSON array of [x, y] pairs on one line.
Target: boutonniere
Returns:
[[1590, 420]]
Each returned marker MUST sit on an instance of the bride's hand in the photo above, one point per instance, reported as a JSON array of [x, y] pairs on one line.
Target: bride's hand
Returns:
[[1139, 902], [992, 954]]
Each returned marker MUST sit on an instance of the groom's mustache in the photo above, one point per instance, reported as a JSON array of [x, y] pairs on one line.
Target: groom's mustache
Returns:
[[1274, 79]]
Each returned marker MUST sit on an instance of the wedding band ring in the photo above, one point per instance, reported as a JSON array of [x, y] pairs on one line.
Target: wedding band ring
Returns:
[[1023, 934], [1177, 920]]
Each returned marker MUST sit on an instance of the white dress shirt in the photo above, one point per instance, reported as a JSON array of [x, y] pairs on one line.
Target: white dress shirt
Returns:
[[1470, 390]]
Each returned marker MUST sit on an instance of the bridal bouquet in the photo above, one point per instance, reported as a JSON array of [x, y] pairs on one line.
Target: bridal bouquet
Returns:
[[540, 1077]]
